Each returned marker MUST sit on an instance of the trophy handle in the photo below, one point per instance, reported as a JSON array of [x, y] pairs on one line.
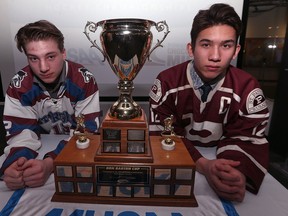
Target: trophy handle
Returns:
[[92, 27], [160, 26]]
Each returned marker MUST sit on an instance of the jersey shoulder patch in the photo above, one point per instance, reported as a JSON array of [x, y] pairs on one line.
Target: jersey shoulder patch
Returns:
[[256, 101], [18, 78], [156, 92]]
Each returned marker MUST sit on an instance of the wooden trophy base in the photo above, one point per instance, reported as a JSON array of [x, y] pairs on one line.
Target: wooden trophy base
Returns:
[[124, 140], [167, 181]]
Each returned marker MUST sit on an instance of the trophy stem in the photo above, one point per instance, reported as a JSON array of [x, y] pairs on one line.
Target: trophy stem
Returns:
[[125, 107]]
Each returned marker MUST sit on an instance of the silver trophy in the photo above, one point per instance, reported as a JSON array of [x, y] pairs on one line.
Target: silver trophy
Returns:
[[126, 45]]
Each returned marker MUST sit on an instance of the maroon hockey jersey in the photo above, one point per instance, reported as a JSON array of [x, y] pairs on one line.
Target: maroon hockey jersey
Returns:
[[233, 118]]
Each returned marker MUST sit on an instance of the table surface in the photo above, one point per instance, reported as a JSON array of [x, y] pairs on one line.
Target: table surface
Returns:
[[271, 199]]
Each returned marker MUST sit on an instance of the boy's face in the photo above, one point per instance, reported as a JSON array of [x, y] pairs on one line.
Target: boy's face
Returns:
[[45, 59], [215, 47]]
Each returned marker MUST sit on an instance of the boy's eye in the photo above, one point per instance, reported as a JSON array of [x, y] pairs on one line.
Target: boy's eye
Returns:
[[227, 46], [51, 57], [205, 45], [32, 58]]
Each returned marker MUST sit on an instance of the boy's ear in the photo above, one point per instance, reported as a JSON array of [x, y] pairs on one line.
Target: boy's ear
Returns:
[[189, 50]]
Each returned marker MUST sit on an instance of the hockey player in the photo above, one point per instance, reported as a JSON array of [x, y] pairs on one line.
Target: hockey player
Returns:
[[44, 97], [232, 114]]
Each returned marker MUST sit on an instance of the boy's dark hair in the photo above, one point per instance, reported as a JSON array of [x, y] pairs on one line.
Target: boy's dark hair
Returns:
[[40, 30], [217, 14]]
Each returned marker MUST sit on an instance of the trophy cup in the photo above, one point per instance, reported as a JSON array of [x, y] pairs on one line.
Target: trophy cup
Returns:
[[126, 45]]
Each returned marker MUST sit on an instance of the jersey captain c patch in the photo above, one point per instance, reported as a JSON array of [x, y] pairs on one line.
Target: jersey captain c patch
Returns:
[[156, 92], [256, 101]]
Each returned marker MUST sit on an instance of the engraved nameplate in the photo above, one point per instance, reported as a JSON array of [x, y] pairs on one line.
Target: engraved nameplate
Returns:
[[111, 134], [111, 147], [136, 135], [123, 174]]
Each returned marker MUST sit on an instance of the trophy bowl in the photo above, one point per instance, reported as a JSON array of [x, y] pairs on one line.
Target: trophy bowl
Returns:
[[126, 44]]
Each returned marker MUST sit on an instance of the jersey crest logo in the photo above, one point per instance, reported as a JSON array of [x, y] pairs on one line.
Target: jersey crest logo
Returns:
[[156, 92], [256, 101], [18, 78], [87, 75]]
